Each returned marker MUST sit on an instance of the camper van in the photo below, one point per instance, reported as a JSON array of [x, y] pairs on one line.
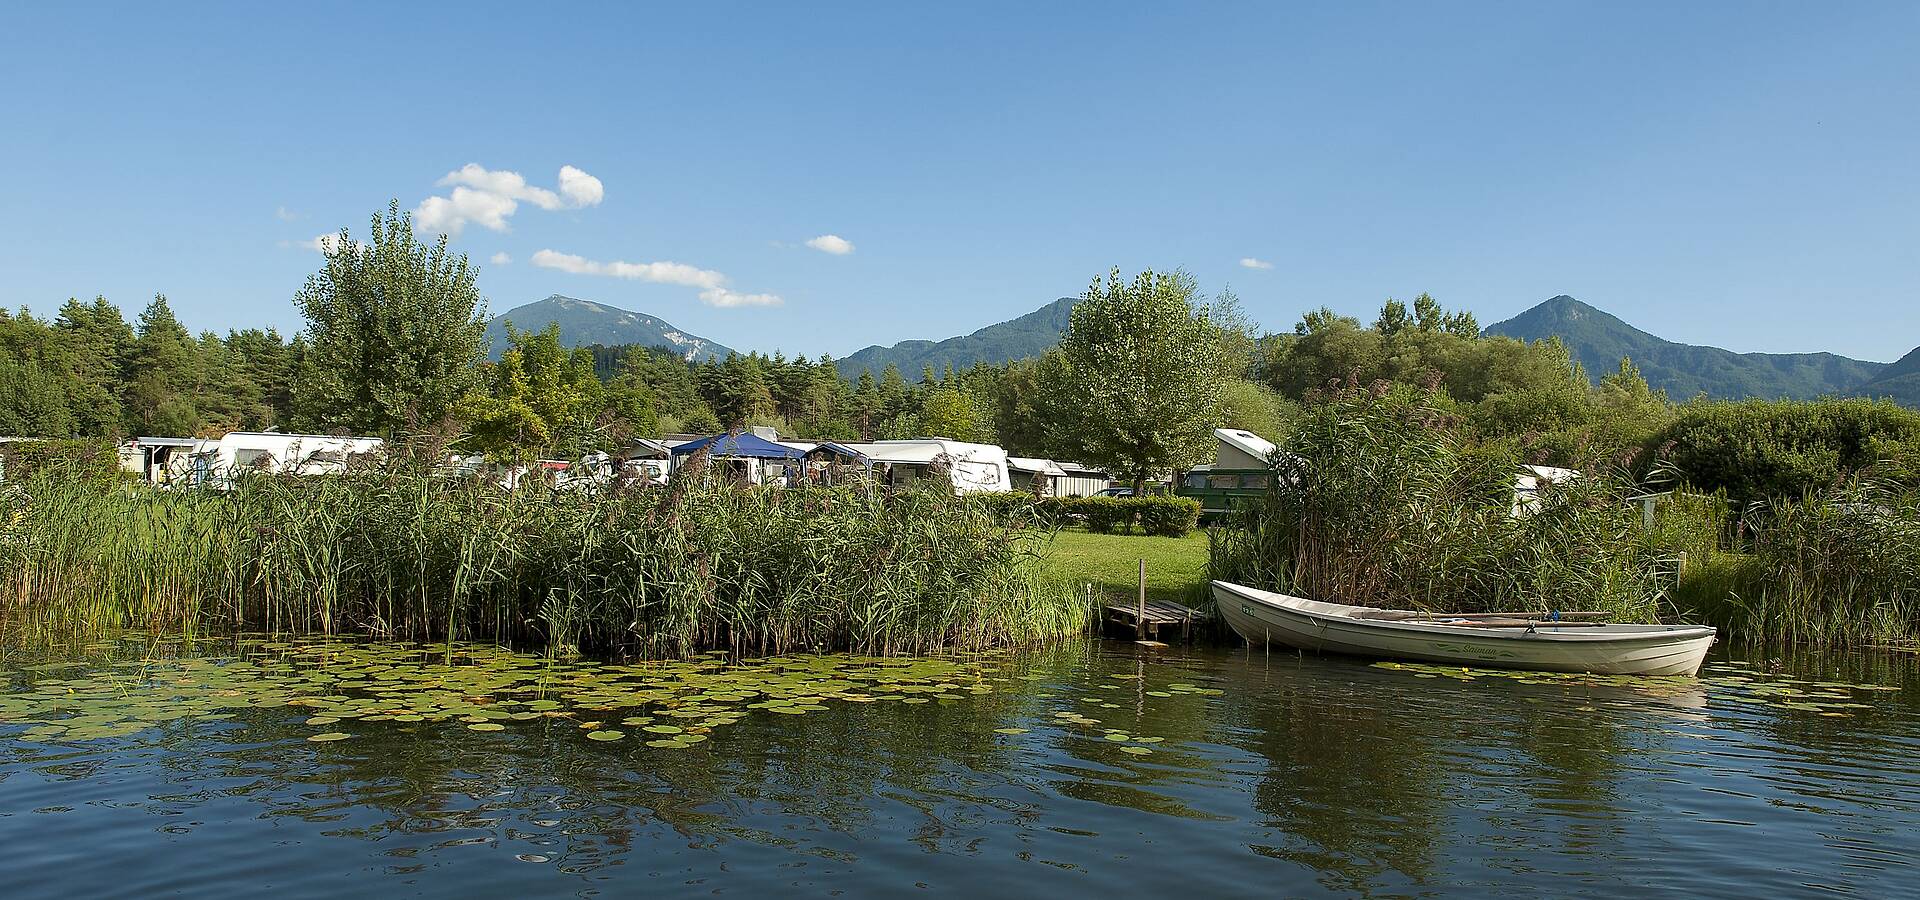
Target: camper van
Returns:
[[974, 468], [1241, 469], [215, 463]]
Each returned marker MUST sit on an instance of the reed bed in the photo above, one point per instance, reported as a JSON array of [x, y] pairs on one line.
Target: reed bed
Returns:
[[637, 572], [1379, 499], [1839, 567]]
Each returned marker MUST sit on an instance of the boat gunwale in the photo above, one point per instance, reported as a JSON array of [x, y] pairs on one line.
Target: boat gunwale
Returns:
[[1544, 631]]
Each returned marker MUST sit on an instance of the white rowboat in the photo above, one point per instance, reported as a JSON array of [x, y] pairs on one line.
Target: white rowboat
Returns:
[[1266, 617]]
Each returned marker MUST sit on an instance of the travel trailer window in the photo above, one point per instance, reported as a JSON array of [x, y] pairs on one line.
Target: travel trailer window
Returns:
[[248, 458]]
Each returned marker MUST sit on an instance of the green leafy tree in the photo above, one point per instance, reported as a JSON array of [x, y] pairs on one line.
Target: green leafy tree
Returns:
[[947, 413], [1142, 369], [33, 401], [1252, 407], [632, 407], [395, 330], [540, 397]]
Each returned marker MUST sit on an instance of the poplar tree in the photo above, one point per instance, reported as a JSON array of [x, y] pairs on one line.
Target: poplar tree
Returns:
[[1137, 385], [395, 331]]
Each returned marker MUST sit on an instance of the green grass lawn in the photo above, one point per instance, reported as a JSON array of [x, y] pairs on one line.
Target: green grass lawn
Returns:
[[1176, 567]]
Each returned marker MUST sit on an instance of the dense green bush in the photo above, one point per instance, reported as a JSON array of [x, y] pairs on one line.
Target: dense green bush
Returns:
[[1101, 515], [1167, 516], [1759, 450], [1158, 515]]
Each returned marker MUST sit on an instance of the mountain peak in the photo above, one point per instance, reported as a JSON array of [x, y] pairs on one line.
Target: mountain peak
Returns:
[[584, 322], [1566, 303], [1020, 338], [1598, 340]]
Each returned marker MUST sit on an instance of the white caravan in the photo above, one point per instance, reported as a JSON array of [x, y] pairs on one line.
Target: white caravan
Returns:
[[215, 463], [974, 468]]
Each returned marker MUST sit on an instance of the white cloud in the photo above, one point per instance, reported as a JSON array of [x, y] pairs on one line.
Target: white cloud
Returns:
[[501, 182], [451, 214], [285, 215], [1248, 262], [488, 197], [725, 298], [832, 243], [579, 188], [712, 285], [500, 259], [656, 272]]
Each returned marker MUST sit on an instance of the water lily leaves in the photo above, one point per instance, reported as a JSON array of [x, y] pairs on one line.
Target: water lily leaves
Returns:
[[607, 735], [327, 737], [1136, 751], [329, 681], [1010, 731]]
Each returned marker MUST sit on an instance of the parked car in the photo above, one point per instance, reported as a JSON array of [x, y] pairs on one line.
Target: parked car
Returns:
[[1115, 492]]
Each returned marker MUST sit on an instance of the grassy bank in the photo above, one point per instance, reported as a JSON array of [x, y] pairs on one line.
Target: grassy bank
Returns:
[[1176, 567], [653, 572]]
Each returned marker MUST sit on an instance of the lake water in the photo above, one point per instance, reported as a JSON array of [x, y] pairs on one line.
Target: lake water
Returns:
[[1084, 767]]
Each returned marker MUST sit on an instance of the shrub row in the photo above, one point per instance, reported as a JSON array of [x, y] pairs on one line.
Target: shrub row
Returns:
[[1162, 516]]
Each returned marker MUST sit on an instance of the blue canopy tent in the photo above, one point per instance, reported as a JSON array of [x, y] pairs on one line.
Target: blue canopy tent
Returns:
[[744, 445]]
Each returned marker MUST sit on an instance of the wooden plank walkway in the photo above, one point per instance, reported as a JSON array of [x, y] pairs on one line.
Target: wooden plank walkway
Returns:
[[1159, 613]]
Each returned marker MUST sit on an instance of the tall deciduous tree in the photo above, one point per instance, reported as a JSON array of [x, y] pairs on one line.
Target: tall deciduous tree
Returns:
[[395, 331], [947, 413], [540, 396], [1137, 387]]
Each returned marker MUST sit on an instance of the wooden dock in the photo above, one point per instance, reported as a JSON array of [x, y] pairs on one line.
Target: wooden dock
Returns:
[[1146, 621]]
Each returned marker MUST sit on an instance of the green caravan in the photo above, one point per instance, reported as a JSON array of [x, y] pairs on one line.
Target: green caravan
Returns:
[[1241, 469]]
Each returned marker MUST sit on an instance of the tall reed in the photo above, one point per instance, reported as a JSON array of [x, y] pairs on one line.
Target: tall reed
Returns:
[[1836, 567], [657, 571]]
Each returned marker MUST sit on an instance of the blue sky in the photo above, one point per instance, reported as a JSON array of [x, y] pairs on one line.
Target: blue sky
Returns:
[[1741, 174]]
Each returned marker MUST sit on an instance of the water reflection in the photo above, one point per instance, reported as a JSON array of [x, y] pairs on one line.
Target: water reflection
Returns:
[[1085, 766]]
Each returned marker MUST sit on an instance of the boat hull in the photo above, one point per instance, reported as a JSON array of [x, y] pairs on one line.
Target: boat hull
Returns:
[[1264, 618]]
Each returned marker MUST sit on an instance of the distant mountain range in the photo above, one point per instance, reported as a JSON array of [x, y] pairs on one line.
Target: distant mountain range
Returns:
[[584, 322], [1598, 340], [1029, 335]]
